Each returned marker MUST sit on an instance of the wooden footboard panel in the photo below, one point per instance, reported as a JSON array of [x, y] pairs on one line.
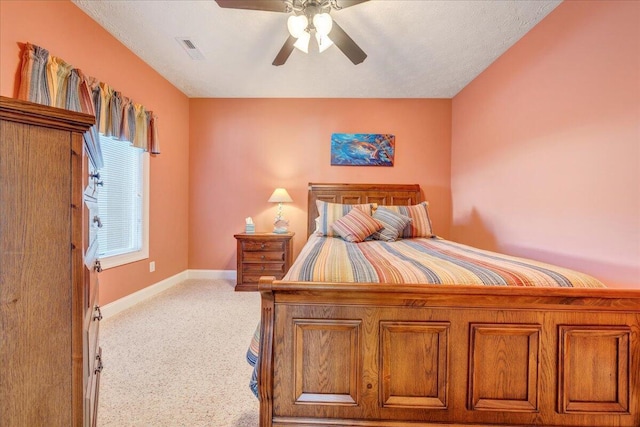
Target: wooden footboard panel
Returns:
[[378, 355]]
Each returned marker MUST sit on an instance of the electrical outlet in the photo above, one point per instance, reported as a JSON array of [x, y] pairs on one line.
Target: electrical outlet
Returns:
[[152, 266]]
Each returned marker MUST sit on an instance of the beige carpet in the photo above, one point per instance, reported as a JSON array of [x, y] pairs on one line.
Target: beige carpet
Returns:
[[178, 359]]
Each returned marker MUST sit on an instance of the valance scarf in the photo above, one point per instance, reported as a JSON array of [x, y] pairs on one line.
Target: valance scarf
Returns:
[[49, 80]]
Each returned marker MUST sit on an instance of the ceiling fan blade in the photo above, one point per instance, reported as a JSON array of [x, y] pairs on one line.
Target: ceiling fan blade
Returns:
[[346, 44], [268, 5], [285, 52], [348, 3]]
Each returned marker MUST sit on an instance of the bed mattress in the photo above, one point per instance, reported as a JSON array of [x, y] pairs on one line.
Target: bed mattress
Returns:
[[424, 261]]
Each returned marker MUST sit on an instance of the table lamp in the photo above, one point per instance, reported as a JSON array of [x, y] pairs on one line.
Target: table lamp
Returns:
[[280, 196]]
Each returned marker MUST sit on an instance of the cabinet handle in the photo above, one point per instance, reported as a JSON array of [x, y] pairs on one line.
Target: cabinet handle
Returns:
[[96, 178], [263, 268], [262, 246], [97, 313], [262, 257], [96, 219], [100, 366], [97, 267]]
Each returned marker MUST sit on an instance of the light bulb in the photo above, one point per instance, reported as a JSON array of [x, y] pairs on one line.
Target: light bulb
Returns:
[[297, 25], [303, 42], [323, 23], [324, 42]]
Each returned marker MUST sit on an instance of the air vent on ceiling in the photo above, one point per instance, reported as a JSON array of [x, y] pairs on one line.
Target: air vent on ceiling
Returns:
[[190, 47]]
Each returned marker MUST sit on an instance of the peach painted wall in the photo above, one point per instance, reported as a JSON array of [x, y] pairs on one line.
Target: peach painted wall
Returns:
[[546, 145], [83, 43], [241, 149]]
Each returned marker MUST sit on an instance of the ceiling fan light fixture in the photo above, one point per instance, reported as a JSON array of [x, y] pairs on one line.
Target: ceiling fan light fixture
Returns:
[[324, 42], [323, 23], [306, 17], [303, 42], [297, 24]]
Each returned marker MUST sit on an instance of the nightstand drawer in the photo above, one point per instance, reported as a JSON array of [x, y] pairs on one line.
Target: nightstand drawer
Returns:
[[257, 245], [266, 269], [263, 256]]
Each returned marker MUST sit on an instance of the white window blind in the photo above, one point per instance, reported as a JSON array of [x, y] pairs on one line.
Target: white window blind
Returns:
[[121, 199]]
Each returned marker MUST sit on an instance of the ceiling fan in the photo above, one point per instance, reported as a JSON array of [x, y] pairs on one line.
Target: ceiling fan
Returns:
[[307, 16]]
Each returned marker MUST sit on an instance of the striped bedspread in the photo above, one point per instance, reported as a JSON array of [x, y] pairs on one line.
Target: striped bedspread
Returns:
[[424, 260]]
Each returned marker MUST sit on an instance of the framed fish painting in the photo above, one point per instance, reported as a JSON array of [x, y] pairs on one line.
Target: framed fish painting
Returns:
[[362, 149]]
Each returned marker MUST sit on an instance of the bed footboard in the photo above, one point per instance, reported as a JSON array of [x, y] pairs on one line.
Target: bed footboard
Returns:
[[380, 355]]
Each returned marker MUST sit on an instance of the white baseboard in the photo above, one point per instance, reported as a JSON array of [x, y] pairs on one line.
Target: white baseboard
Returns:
[[124, 303], [212, 274]]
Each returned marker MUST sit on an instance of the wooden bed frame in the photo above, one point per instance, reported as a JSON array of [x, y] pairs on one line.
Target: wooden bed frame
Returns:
[[357, 354]]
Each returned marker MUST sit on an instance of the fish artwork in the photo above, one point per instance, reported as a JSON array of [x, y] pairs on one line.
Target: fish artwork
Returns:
[[362, 149]]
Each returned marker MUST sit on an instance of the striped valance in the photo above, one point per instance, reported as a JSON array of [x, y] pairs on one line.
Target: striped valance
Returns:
[[49, 80]]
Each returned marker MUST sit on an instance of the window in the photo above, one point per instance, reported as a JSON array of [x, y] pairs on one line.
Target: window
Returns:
[[123, 204]]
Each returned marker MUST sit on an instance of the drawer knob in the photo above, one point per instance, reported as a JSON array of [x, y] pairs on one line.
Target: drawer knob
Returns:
[[262, 246], [95, 175], [262, 257], [97, 267], [100, 366], [97, 313], [96, 219], [263, 268]]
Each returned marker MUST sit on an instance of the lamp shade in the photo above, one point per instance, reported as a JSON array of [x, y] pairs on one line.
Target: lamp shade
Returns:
[[323, 23], [303, 42], [297, 24], [280, 195], [324, 42]]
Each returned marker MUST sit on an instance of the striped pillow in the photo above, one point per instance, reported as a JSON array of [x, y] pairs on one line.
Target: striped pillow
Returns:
[[420, 225], [393, 223], [356, 226], [331, 212]]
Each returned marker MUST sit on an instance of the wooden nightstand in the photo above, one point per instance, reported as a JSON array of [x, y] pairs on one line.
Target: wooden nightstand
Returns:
[[262, 254]]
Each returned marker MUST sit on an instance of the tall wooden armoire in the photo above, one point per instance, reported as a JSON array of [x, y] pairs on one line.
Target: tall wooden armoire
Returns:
[[49, 354]]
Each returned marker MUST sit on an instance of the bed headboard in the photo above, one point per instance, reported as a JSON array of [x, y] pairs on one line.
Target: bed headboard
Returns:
[[382, 194]]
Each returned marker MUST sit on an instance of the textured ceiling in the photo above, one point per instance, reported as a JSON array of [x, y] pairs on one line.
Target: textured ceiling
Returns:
[[415, 48]]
